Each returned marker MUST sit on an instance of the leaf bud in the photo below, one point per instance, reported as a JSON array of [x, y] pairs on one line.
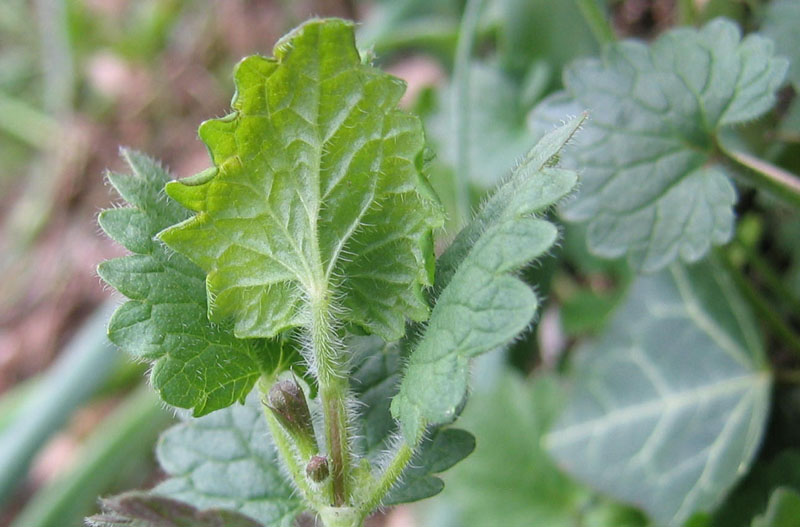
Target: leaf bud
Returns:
[[317, 469]]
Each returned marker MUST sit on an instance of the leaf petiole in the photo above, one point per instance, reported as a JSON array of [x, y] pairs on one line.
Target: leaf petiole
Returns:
[[764, 175], [390, 475]]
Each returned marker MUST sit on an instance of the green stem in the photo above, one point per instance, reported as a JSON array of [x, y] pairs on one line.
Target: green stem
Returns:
[[597, 21], [766, 176], [461, 106], [762, 305]]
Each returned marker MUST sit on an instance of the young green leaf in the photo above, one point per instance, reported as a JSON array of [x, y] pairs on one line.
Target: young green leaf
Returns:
[[140, 509], [226, 460], [196, 364], [316, 205], [783, 510], [480, 304], [669, 407], [651, 186]]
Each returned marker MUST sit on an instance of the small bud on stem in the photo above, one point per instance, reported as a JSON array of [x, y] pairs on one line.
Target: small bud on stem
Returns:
[[287, 402], [317, 469]]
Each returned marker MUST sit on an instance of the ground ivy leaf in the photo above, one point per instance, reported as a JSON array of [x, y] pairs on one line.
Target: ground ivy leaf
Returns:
[[783, 510], [140, 509], [375, 378], [226, 460], [317, 193], [196, 364], [651, 187], [669, 406], [481, 305]]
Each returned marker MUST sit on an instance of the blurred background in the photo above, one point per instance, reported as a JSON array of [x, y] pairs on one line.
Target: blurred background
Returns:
[[79, 78]]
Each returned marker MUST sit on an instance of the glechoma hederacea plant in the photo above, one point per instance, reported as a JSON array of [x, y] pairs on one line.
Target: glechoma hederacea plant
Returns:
[[306, 252], [290, 295]]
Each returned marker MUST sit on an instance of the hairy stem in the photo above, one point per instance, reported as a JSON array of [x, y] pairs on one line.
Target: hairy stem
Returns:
[[766, 176], [390, 475], [461, 105], [597, 21], [333, 390]]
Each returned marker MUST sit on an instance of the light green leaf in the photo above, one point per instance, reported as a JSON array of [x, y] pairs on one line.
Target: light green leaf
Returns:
[[140, 509], [316, 201], [375, 375], [226, 460], [196, 364], [669, 407], [783, 510], [651, 184], [780, 24], [481, 306], [510, 480]]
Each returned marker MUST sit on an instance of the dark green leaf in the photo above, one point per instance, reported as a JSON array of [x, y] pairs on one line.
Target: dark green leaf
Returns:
[[196, 364]]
